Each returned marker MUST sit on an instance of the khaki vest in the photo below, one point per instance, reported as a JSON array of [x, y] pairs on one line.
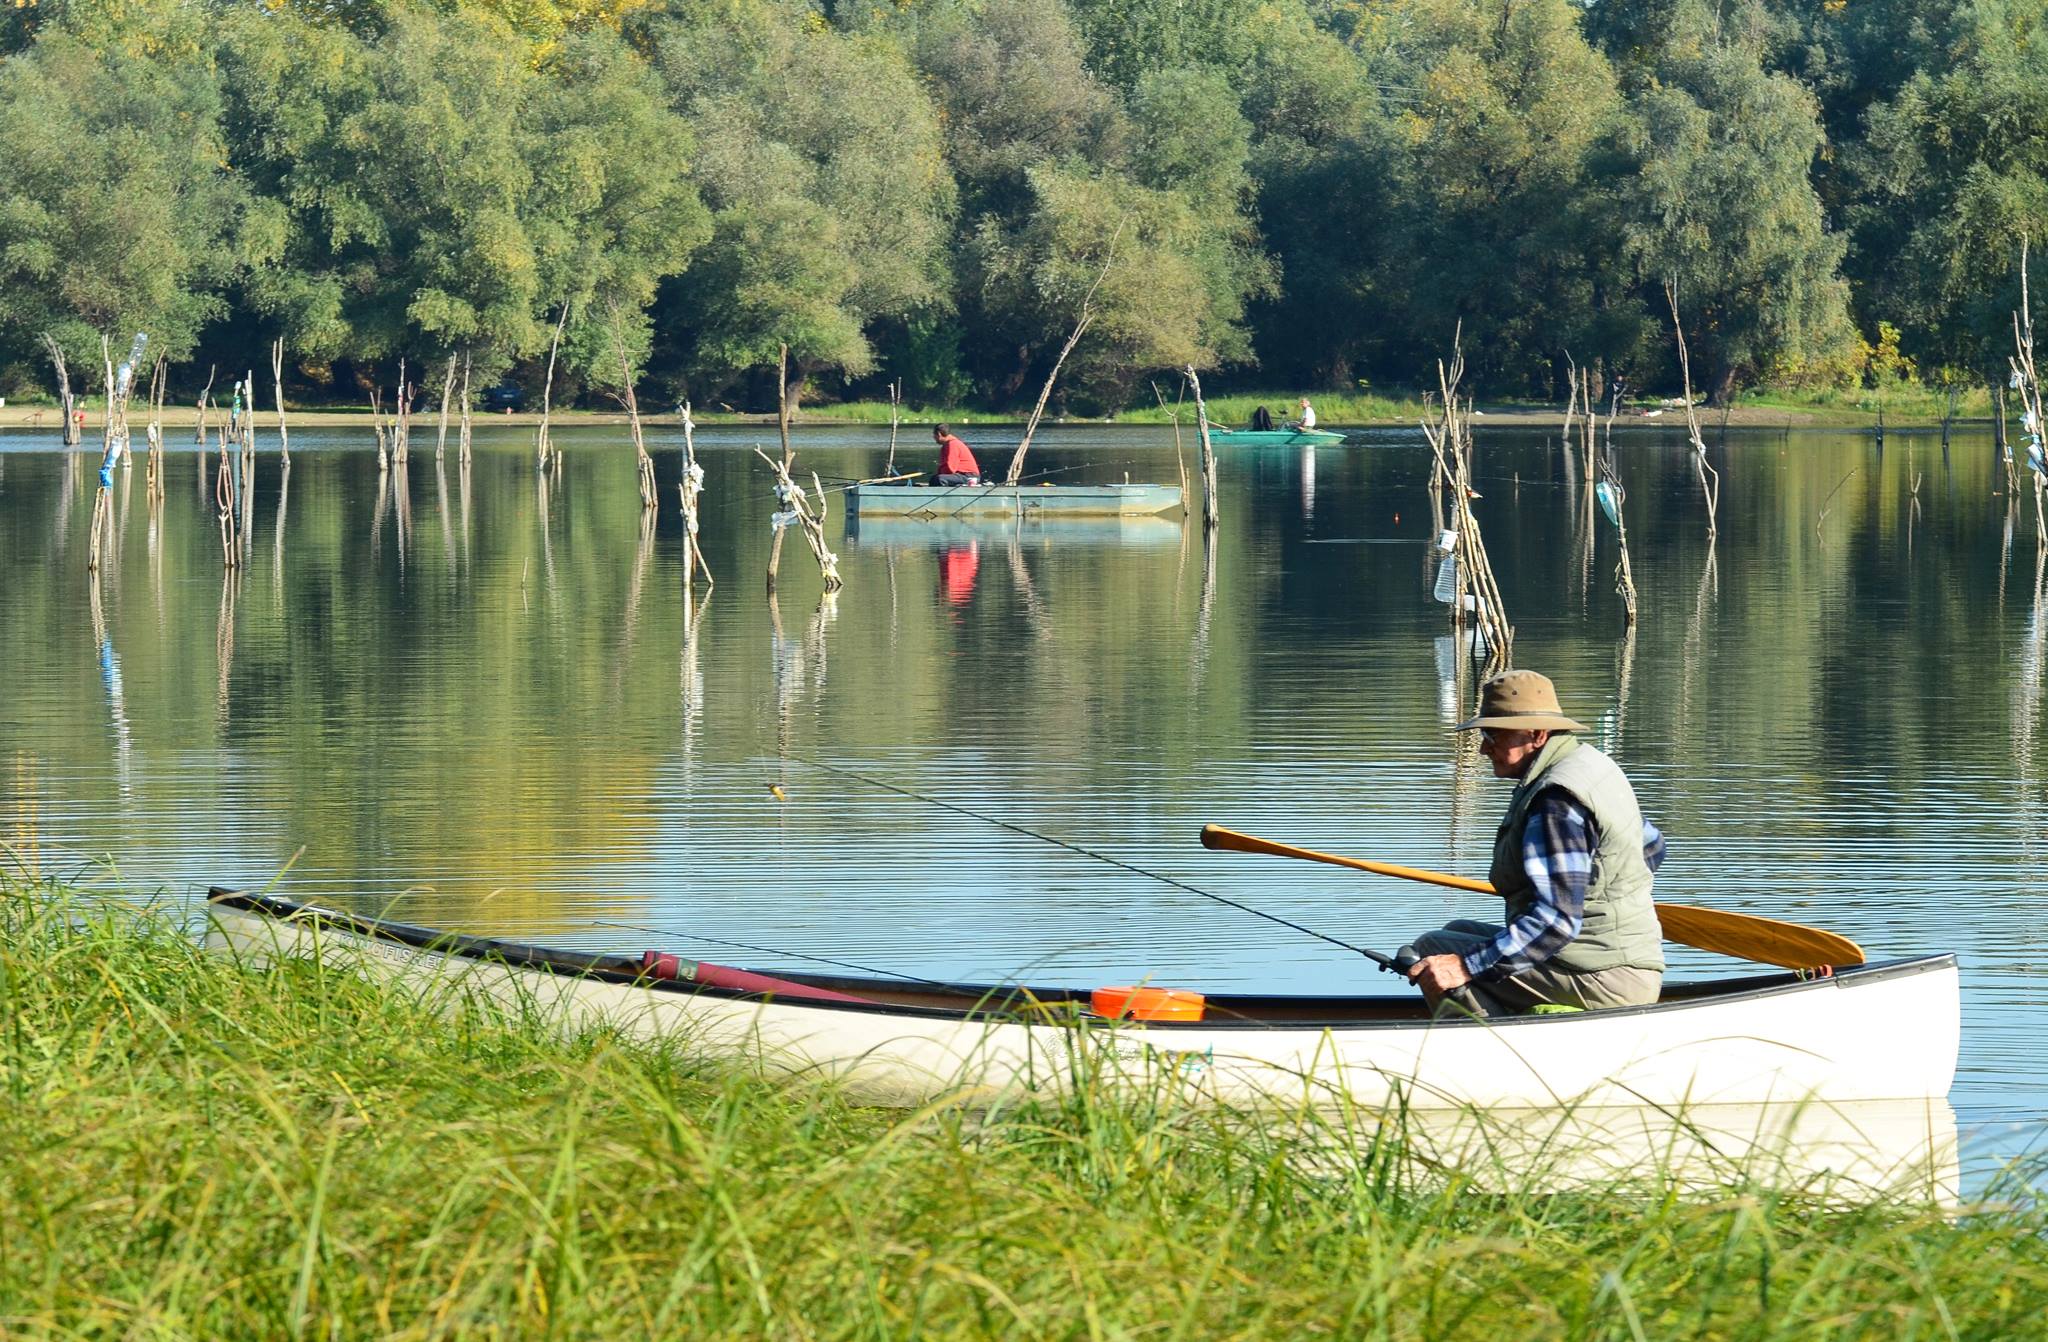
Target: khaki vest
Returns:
[[1621, 927]]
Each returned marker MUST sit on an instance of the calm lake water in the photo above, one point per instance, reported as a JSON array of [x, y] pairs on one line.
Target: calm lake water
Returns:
[[476, 701]]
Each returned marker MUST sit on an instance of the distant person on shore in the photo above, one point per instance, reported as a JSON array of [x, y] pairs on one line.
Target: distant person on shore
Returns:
[[1308, 417], [957, 465], [1575, 860], [1262, 420]]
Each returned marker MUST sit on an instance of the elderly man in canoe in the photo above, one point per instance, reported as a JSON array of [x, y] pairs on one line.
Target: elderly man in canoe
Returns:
[[1574, 859]]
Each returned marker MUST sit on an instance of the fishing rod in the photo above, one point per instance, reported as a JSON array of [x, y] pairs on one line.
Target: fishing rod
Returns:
[[1383, 961]]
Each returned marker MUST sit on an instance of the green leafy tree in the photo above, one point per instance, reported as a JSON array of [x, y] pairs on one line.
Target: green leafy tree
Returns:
[[1952, 175], [1127, 39], [1329, 165], [1714, 165], [611, 211], [819, 157], [120, 214], [402, 175]]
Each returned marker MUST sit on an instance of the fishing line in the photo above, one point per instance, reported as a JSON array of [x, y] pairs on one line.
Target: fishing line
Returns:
[[773, 950], [1086, 852]]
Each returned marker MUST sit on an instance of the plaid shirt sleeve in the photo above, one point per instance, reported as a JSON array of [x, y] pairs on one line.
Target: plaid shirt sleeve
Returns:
[[1557, 853]]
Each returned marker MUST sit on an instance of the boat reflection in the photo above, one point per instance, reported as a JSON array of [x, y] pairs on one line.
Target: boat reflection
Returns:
[[918, 533], [1839, 1154]]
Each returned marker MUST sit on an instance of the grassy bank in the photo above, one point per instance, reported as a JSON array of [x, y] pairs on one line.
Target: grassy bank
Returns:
[[1905, 407], [193, 1149]]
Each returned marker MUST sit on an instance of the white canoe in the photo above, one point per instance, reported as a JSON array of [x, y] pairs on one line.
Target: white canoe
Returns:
[[1881, 1031]]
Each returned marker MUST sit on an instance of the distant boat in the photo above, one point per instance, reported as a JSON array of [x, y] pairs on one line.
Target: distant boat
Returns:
[[1048, 501], [1273, 437], [1866, 1032], [906, 530]]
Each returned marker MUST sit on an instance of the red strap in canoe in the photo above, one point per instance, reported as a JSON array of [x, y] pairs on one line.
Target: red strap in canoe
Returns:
[[663, 964]]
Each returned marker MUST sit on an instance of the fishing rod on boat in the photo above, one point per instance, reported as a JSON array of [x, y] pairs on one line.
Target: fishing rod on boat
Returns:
[[1393, 964]]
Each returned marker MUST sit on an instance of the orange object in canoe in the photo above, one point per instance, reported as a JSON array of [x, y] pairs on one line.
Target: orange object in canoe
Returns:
[[1147, 1004]]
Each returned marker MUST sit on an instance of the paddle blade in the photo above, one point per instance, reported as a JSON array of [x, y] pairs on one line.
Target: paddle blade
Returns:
[[1747, 937]]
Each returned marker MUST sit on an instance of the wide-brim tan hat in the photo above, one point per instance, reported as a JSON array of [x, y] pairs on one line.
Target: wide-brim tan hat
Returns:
[[1521, 699]]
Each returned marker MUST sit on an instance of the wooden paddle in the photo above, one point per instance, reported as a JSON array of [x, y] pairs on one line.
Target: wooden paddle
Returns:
[[1742, 935]]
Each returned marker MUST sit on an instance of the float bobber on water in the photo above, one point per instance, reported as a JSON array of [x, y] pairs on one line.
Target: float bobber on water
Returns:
[[1163, 1004]]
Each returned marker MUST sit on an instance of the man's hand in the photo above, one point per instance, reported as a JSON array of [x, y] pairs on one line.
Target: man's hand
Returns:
[[1439, 975]]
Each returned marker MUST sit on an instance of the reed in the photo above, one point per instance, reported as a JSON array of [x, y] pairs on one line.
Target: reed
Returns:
[[196, 1148]]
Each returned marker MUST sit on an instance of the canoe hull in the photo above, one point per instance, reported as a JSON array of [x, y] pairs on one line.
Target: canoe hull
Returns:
[[1048, 502], [898, 530], [1873, 1033], [1273, 438]]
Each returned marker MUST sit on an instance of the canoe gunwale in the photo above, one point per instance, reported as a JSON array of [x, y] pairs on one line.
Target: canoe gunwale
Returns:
[[1005, 1001]]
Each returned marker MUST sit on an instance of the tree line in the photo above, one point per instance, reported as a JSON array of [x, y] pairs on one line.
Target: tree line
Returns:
[[1315, 193]]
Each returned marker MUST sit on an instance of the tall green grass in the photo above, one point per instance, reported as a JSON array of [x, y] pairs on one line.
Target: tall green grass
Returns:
[[191, 1148]]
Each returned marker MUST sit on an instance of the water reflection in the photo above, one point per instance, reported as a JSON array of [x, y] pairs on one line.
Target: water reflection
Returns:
[[527, 728], [958, 565]]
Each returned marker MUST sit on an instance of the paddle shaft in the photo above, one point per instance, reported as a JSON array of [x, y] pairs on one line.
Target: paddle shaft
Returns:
[[1741, 935]]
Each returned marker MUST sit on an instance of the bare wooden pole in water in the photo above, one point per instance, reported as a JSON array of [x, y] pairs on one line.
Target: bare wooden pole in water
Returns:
[[688, 488], [1450, 439], [284, 438], [547, 389], [462, 437], [1709, 478], [401, 433], [2026, 381], [154, 474], [791, 496], [1179, 458], [441, 429], [377, 423], [64, 396], [788, 460], [1210, 514], [1624, 575], [1083, 321], [895, 419], [649, 500], [199, 429]]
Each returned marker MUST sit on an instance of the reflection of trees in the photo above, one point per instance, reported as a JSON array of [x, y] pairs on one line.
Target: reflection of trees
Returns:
[[440, 725], [2027, 689]]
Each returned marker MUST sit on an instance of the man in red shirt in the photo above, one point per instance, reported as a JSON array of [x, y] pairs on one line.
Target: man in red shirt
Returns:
[[957, 465]]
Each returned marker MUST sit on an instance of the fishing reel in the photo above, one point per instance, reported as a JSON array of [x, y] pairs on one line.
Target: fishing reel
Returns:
[[1402, 962]]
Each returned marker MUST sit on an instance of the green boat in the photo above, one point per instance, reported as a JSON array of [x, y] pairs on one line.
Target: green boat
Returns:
[[1024, 501], [1273, 437]]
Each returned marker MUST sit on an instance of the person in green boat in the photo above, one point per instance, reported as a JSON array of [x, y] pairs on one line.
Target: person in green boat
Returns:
[[957, 465], [1575, 861], [1307, 422], [1262, 420]]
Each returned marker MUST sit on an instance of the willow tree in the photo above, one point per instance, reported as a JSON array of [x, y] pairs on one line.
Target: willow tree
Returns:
[[818, 155], [1950, 177], [612, 211], [398, 173], [1501, 223], [118, 214], [1714, 183]]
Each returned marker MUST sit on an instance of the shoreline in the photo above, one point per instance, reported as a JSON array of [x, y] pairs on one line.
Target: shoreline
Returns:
[[1741, 417]]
